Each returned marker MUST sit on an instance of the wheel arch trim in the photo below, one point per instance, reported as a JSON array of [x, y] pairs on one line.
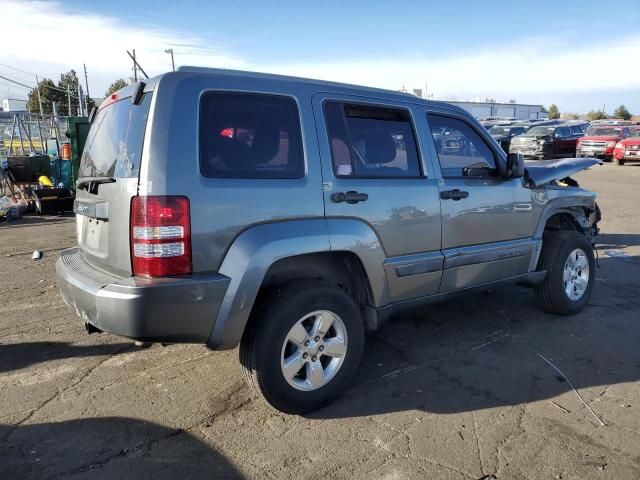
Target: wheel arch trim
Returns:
[[573, 206], [254, 251]]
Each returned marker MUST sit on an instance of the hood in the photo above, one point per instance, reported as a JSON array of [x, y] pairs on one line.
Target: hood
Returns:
[[544, 171], [533, 137], [630, 141], [602, 138], [500, 137]]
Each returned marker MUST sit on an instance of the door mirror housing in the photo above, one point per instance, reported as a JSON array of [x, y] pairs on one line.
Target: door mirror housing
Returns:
[[515, 166]]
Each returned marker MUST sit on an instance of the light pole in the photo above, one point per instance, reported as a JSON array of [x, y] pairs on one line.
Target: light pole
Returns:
[[170, 51]]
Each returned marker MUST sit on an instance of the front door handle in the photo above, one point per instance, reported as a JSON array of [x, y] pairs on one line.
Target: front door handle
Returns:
[[349, 197], [454, 194]]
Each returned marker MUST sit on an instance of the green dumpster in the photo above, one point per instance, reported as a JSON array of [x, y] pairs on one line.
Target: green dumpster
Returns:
[[77, 131]]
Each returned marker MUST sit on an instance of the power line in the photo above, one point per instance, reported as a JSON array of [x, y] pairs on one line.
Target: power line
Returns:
[[34, 88], [17, 69], [10, 85], [17, 83]]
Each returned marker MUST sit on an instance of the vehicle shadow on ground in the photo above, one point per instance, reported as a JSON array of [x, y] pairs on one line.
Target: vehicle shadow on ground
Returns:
[[21, 355], [486, 350], [617, 240], [28, 221], [111, 447]]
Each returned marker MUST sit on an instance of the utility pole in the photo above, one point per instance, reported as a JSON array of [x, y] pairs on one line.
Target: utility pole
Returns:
[[170, 51], [135, 66], [86, 80], [81, 104], [39, 97]]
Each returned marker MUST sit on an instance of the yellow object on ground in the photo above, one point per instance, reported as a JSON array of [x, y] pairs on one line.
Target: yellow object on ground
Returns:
[[45, 181]]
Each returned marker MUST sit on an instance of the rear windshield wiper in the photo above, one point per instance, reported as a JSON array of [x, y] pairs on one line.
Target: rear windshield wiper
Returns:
[[84, 183]]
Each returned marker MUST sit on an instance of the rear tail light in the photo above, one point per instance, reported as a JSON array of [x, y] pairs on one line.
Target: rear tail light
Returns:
[[160, 236]]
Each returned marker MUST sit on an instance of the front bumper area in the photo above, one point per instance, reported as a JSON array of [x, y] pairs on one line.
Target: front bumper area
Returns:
[[169, 310], [628, 155], [604, 153]]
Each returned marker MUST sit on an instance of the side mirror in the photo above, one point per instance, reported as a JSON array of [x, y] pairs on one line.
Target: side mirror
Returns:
[[515, 166]]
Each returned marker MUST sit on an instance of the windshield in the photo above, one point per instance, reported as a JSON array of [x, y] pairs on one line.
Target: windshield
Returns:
[[499, 131], [114, 143], [603, 132], [541, 131], [635, 134]]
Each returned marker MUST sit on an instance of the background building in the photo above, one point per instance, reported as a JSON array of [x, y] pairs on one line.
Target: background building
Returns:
[[13, 105], [493, 109]]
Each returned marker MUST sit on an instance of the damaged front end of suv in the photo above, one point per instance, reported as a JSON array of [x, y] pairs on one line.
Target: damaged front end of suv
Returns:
[[562, 204]]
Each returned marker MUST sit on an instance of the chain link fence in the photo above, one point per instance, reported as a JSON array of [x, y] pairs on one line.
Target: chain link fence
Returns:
[[27, 133]]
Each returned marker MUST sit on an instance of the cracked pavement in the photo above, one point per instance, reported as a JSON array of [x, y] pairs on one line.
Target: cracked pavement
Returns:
[[453, 391]]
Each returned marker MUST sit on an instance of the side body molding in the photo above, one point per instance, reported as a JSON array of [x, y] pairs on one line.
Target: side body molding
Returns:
[[256, 249]]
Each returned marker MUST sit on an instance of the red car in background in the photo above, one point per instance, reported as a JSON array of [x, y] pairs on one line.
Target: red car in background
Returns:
[[628, 150], [600, 141]]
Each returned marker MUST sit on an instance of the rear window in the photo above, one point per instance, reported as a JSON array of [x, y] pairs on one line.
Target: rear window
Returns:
[[371, 142], [246, 135], [114, 143]]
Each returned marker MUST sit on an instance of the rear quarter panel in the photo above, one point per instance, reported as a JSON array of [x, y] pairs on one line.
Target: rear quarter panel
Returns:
[[222, 208]]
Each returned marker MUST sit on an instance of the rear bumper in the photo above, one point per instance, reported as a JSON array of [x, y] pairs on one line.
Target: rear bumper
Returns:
[[171, 310]]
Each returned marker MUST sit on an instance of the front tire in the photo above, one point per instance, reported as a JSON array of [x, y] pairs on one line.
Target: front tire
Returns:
[[568, 258], [618, 162], [303, 345]]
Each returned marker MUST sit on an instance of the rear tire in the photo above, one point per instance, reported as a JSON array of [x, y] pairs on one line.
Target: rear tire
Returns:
[[568, 258], [618, 162], [293, 368]]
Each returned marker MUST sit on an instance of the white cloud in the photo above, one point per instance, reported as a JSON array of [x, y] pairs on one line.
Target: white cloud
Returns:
[[44, 37], [40, 36], [530, 68]]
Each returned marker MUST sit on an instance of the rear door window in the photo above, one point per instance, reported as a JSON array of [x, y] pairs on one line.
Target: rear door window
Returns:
[[246, 135], [371, 142], [114, 144]]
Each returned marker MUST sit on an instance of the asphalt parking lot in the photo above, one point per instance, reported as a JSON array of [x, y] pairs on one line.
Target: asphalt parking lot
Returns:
[[466, 389]]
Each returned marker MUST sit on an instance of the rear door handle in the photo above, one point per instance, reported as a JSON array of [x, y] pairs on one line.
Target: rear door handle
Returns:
[[454, 194], [349, 197]]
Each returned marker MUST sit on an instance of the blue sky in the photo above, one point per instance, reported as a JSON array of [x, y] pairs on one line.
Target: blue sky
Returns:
[[565, 52]]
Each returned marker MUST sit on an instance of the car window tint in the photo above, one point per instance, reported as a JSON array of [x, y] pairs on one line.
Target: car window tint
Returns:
[[246, 135], [371, 142], [114, 144], [461, 151]]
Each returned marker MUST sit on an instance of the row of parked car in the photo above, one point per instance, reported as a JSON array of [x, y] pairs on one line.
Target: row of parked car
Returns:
[[616, 141]]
